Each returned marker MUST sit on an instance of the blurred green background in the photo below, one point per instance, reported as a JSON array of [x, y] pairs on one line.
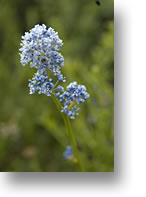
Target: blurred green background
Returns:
[[32, 132]]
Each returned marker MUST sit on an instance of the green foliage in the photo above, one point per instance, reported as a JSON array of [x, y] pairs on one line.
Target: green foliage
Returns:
[[32, 132]]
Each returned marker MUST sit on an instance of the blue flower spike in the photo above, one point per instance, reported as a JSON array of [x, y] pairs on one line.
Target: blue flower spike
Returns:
[[71, 98], [39, 49]]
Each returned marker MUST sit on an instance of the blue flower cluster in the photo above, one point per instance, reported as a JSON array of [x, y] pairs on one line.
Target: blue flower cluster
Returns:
[[68, 153], [41, 83], [73, 96], [39, 48]]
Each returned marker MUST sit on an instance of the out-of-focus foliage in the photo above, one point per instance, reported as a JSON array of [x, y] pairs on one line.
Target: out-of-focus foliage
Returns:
[[32, 132]]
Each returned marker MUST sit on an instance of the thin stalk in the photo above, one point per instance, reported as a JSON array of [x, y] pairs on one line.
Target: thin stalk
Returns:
[[70, 134], [72, 139]]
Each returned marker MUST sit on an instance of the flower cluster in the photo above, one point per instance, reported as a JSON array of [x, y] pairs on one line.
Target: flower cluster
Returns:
[[73, 96], [41, 83], [39, 48], [68, 153]]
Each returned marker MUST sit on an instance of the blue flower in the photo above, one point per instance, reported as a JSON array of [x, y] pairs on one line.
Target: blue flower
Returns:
[[40, 47], [71, 98], [68, 153], [41, 84], [60, 88]]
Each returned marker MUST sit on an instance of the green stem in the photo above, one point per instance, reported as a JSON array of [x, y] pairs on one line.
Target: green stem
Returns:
[[72, 139], [70, 134]]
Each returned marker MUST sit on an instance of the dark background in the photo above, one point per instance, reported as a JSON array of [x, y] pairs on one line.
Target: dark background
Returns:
[[32, 132]]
